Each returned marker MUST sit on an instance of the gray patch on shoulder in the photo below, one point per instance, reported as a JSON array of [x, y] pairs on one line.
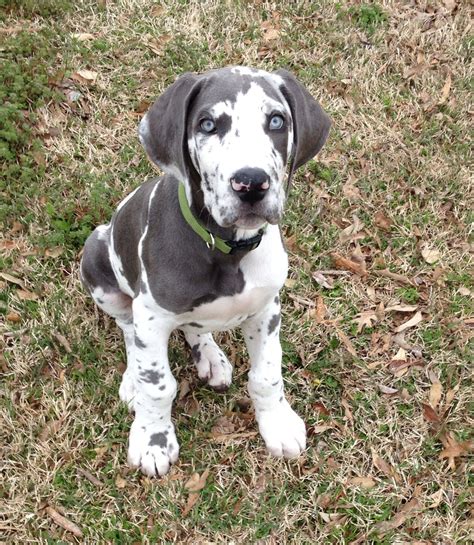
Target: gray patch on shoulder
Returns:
[[273, 323], [138, 342], [158, 439]]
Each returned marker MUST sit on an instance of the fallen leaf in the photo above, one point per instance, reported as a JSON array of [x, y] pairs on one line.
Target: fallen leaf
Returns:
[[50, 429], [222, 426], [453, 449], [383, 221], [351, 191], [12, 279], [406, 511], [347, 410], [13, 317], [65, 523], [445, 90], [413, 321], [387, 390], [346, 342], [85, 76], [192, 499], [365, 319], [290, 283], [54, 252], [26, 295], [321, 428], [120, 482], [343, 263], [63, 342], [364, 482], [384, 467], [271, 34], [429, 413], [429, 255], [320, 408], [436, 391], [323, 281], [83, 36], [401, 308], [88, 475], [319, 312], [393, 276], [436, 499], [184, 389], [197, 482]]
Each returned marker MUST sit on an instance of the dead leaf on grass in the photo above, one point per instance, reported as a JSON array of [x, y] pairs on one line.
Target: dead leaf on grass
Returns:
[[323, 281], [436, 391], [26, 295], [429, 413], [453, 449], [321, 428], [407, 510], [401, 308], [222, 426], [12, 279], [62, 521], [430, 255], [341, 262], [365, 319], [83, 36], [436, 498], [400, 278], [197, 482], [382, 221], [384, 467], [120, 482], [445, 90], [192, 499], [85, 76], [363, 482], [13, 317], [319, 312], [412, 322], [346, 342], [387, 390]]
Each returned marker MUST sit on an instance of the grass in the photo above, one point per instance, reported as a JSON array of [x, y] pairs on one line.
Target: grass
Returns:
[[395, 80]]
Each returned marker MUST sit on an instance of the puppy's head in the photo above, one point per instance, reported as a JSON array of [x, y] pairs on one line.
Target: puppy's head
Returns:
[[237, 128]]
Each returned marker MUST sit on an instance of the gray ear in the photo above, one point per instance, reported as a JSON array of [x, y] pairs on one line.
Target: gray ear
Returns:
[[162, 131], [310, 123]]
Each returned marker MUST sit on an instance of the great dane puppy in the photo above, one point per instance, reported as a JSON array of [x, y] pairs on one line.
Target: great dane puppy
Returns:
[[200, 250]]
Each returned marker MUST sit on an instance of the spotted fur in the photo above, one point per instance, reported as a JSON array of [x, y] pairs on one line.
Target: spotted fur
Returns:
[[150, 271]]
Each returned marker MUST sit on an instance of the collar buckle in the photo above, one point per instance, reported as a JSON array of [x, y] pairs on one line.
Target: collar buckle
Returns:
[[212, 244]]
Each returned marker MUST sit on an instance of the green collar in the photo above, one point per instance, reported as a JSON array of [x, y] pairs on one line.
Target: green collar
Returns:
[[212, 241]]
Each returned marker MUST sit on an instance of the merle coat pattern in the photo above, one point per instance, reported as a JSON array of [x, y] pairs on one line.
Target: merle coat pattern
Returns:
[[230, 136]]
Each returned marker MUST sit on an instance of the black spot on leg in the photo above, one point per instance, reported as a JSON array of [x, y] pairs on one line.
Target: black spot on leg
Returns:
[[195, 352], [152, 377], [273, 323], [276, 300], [100, 301], [143, 287], [281, 399], [194, 324], [162, 387], [151, 318], [275, 383], [158, 439], [138, 342]]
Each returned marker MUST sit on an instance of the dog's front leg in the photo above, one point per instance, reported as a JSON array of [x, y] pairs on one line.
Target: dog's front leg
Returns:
[[282, 429], [152, 444]]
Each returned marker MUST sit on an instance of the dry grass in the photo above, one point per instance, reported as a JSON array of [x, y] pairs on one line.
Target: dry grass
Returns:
[[392, 184]]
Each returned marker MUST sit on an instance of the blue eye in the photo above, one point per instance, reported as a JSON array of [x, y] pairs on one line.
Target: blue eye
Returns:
[[207, 125], [276, 122]]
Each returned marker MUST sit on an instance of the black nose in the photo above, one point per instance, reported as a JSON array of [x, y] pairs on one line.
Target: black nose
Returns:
[[250, 184]]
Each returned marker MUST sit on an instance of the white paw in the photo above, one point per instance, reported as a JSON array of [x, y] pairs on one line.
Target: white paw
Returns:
[[282, 430], [152, 447], [212, 366], [127, 389]]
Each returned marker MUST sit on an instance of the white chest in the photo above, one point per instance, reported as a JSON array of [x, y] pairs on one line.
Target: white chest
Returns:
[[264, 271]]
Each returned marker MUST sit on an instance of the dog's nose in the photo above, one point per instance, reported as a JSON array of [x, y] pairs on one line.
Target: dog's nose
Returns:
[[250, 184]]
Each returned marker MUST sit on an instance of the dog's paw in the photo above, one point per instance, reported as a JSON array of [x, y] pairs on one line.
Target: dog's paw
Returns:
[[152, 447], [212, 366], [127, 390], [283, 431]]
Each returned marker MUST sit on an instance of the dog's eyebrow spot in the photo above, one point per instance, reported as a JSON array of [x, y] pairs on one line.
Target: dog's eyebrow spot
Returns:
[[223, 124]]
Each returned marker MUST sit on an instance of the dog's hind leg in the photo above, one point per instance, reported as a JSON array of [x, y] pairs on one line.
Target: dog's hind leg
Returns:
[[99, 280], [212, 364]]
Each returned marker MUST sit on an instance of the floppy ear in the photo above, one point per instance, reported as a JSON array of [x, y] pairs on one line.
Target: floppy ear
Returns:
[[162, 131], [310, 123]]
